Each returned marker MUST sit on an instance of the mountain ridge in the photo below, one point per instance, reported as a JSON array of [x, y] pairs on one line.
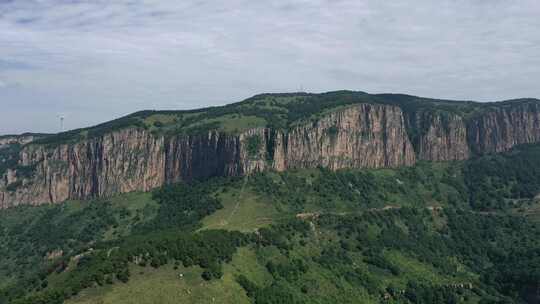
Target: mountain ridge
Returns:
[[336, 130], [291, 94]]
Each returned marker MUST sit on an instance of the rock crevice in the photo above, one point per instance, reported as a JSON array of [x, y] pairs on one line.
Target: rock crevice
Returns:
[[359, 136]]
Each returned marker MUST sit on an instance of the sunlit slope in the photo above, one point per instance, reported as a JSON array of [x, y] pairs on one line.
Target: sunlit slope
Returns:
[[455, 231]]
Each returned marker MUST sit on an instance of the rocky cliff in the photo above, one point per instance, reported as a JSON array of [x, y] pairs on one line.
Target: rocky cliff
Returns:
[[16, 139], [362, 135], [501, 129], [122, 161], [443, 136]]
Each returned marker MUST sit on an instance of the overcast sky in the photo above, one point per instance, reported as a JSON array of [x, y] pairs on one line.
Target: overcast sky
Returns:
[[97, 60]]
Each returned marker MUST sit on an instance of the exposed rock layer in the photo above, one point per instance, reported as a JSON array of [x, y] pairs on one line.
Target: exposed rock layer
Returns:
[[443, 137], [363, 136], [359, 136], [15, 139], [501, 129]]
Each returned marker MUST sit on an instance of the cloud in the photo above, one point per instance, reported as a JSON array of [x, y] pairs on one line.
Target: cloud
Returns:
[[101, 59], [14, 65]]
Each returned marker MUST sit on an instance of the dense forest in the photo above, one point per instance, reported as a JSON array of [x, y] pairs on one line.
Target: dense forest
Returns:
[[361, 250], [455, 232]]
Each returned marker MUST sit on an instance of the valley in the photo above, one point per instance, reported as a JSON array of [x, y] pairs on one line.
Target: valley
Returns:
[[332, 198], [310, 236]]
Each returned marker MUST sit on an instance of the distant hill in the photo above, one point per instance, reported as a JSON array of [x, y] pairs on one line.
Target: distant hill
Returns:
[[341, 197], [335, 130]]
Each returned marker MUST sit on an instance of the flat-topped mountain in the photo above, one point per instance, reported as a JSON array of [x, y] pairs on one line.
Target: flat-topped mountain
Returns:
[[334, 130]]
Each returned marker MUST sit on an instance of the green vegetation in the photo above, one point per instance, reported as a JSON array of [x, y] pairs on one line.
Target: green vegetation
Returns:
[[33, 239], [278, 111], [254, 144], [93, 132], [504, 180], [183, 206], [165, 286], [25, 171], [454, 232], [243, 210], [401, 255], [12, 187], [75, 261], [9, 157], [332, 132], [426, 184], [178, 284], [233, 123], [31, 236], [488, 183]]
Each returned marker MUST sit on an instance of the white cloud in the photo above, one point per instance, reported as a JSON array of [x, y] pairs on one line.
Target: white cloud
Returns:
[[99, 59]]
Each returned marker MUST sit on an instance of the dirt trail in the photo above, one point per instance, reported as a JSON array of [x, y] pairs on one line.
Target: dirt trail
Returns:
[[226, 222]]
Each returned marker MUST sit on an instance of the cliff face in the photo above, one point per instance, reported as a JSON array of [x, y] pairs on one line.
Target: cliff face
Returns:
[[363, 136], [501, 129], [122, 161], [10, 140], [133, 159], [443, 137], [212, 154], [359, 136]]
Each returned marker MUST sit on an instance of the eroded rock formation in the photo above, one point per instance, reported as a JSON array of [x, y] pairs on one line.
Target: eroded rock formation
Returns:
[[357, 136]]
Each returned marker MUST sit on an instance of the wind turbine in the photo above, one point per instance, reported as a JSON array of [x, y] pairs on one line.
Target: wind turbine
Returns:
[[62, 117]]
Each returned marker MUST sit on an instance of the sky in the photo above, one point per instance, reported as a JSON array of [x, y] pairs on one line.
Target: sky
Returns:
[[92, 61]]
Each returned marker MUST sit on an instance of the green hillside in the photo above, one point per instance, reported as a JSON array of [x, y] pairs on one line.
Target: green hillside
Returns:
[[454, 232], [280, 111]]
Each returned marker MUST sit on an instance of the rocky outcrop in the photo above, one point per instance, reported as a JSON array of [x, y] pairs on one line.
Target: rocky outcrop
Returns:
[[134, 159], [213, 154], [443, 136], [127, 160], [362, 136], [502, 128], [122, 161], [357, 136], [16, 139]]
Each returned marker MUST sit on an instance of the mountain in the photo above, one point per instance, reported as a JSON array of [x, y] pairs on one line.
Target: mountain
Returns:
[[434, 232], [341, 197], [268, 132]]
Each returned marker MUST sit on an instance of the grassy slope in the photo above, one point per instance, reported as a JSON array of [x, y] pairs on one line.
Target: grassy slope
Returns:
[[25, 231], [275, 110], [164, 286], [272, 198], [245, 210], [242, 211]]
